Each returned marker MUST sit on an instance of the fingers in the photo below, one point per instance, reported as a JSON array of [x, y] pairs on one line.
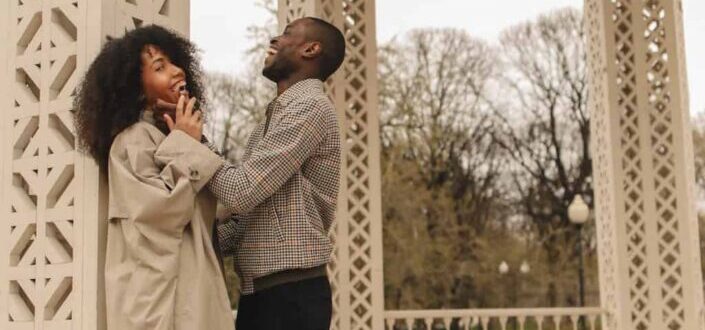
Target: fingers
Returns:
[[186, 97], [187, 118], [180, 107], [169, 122], [190, 107]]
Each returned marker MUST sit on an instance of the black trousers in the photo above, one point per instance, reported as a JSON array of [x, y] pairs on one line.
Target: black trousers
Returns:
[[303, 305]]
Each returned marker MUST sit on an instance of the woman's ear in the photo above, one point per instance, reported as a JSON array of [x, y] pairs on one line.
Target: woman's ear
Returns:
[[313, 50]]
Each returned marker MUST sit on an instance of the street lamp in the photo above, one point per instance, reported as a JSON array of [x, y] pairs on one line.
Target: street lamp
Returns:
[[503, 268], [524, 268], [578, 213]]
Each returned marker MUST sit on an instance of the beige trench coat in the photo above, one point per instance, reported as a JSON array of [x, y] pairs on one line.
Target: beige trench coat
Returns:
[[161, 271]]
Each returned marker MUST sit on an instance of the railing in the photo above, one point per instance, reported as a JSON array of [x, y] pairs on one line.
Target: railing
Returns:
[[496, 319]]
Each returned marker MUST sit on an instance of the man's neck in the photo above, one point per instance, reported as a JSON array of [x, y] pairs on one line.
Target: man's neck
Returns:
[[284, 84]]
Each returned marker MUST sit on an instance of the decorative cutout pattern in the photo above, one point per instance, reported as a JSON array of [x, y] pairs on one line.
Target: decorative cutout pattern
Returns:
[[136, 13], [43, 178], [632, 164], [659, 89], [290, 10], [40, 173], [357, 284], [645, 211], [361, 132], [600, 128]]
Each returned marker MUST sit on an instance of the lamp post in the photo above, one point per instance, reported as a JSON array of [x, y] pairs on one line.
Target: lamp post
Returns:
[[578, 213], [524, 269], [503, 268]]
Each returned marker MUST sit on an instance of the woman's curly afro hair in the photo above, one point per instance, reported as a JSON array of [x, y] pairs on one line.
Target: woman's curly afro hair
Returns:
[[110, 98]]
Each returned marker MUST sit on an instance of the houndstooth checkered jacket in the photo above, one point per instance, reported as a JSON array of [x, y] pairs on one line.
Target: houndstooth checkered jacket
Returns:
[[283, 194]]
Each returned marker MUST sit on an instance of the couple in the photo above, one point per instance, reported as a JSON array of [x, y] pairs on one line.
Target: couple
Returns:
[[138, 115]]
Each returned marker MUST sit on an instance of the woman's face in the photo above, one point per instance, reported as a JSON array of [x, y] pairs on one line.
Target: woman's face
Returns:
[[161, 79]]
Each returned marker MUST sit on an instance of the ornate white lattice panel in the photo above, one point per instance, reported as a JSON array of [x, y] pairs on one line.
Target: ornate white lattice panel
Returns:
[[600, 127], [356, 268], [39, 230], [362, 174], [135, 13], [649, 252], [52, 203]]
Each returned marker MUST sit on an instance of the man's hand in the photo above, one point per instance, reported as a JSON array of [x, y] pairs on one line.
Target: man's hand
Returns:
[[185, 118], [164, 108]]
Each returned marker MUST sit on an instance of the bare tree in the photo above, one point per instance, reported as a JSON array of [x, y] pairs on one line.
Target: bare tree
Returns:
[[239, 101], [545, 126], [238, 104], [432, 98], [261, 34], [440, 164]]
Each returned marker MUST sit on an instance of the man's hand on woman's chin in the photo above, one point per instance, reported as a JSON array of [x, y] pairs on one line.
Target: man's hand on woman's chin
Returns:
[[164, 108], [182, 116]]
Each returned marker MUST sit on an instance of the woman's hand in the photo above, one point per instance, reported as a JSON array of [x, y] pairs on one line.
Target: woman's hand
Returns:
[[186, 119]]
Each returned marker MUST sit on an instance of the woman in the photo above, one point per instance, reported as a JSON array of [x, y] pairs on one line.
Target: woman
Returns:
[[161, 270]]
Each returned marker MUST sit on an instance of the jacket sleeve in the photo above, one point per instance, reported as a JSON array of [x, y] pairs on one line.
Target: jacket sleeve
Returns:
[[228, 234], [279, 155], [211, 145]]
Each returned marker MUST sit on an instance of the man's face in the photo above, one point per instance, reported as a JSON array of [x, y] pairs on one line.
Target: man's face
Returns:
[[284, 53]]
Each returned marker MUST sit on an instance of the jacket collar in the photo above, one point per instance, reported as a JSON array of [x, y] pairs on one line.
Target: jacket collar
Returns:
[[299, 89]]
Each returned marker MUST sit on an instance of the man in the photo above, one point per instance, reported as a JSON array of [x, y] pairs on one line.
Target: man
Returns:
[[283, 194]]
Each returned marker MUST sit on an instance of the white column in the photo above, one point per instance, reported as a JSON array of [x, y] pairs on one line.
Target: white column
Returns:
[[356, 270], [52, 210], [363, 202], [650, 275]]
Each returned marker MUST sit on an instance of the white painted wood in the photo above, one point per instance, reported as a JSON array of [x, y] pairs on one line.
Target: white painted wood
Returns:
[[650, 276]]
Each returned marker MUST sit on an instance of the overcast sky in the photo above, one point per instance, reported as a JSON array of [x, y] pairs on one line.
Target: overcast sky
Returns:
[[220, 27]]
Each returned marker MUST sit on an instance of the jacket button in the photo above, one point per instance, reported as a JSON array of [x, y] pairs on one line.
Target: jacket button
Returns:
[[194, 174]]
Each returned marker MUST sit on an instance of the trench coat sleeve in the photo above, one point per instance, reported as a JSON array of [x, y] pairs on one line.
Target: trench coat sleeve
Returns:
[[158, 184], [188, 156]]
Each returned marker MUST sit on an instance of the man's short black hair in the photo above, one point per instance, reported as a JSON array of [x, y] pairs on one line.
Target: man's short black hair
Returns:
[[333, 46]]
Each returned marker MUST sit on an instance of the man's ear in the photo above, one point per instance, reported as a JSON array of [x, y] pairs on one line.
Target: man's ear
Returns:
[[312, 50]]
